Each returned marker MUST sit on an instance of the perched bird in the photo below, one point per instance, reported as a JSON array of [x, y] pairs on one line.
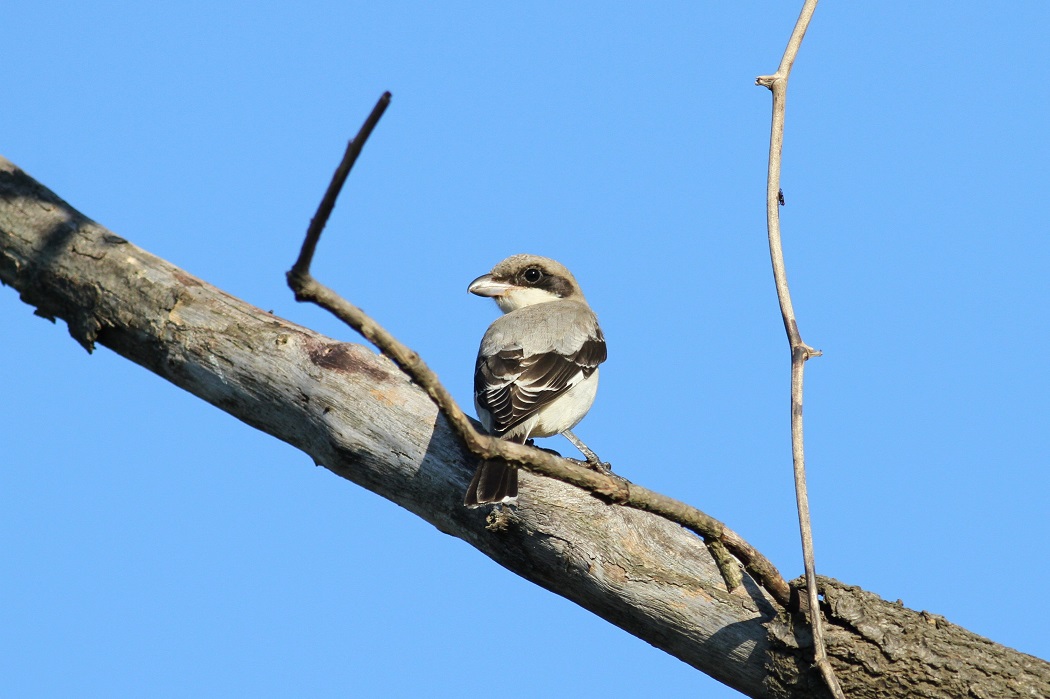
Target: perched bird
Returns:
[[537, 368]]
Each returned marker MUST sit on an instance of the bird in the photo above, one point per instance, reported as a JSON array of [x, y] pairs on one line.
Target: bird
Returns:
[[536, 373]]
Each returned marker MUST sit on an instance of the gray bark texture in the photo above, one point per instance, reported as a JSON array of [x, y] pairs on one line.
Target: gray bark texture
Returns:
[[355, 413]]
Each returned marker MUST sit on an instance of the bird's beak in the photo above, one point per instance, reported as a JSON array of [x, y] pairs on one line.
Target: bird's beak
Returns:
[[485, 285]]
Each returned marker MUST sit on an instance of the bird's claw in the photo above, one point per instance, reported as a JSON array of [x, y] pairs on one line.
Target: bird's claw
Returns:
[[595, 465]]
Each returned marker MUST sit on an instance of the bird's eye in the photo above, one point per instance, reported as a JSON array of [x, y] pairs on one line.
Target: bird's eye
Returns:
[[533, 275]]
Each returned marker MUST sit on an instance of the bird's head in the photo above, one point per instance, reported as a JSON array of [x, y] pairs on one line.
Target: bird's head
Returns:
[[525, 280]]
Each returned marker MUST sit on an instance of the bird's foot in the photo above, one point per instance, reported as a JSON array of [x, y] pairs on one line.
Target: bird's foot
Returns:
[[595, 465]]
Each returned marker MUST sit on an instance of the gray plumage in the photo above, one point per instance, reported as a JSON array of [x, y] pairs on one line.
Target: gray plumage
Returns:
[[537, 369]]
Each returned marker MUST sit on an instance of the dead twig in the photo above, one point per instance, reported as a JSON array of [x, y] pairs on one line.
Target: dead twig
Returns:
[[800, 351], [301, 268], [609, 488]]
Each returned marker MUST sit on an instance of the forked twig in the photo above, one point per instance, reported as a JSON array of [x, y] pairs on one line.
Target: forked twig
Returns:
[[800, 351], [716, 535]]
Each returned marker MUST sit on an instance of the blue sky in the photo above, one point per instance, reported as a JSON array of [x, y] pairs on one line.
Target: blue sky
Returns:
[[154, 543]]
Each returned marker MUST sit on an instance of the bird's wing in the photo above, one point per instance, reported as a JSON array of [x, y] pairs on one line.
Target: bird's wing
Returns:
[[513, 385]]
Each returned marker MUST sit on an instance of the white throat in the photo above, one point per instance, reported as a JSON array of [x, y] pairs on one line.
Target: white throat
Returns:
[[521, 297]]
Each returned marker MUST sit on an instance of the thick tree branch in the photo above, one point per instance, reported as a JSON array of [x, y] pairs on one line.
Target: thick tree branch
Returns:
[[358, 415], [355, 412]]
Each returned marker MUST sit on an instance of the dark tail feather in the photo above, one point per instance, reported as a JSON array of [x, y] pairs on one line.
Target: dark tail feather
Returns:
[[494, 481]]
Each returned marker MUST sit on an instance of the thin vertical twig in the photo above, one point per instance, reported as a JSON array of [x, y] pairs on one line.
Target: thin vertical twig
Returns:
[[800, 351]]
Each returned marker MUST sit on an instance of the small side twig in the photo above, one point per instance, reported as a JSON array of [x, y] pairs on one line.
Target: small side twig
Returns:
[[800, 351], [609, 488]]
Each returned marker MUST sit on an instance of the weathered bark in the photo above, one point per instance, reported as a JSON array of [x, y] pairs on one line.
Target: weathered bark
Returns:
[[882, 649], [353, 412]]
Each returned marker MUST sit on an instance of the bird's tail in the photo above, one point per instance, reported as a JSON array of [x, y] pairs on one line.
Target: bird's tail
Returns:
[[493, 482]]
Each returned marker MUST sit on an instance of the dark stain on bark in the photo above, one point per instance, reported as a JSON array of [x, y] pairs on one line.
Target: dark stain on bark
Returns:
[[345, 357], [185, 279]]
